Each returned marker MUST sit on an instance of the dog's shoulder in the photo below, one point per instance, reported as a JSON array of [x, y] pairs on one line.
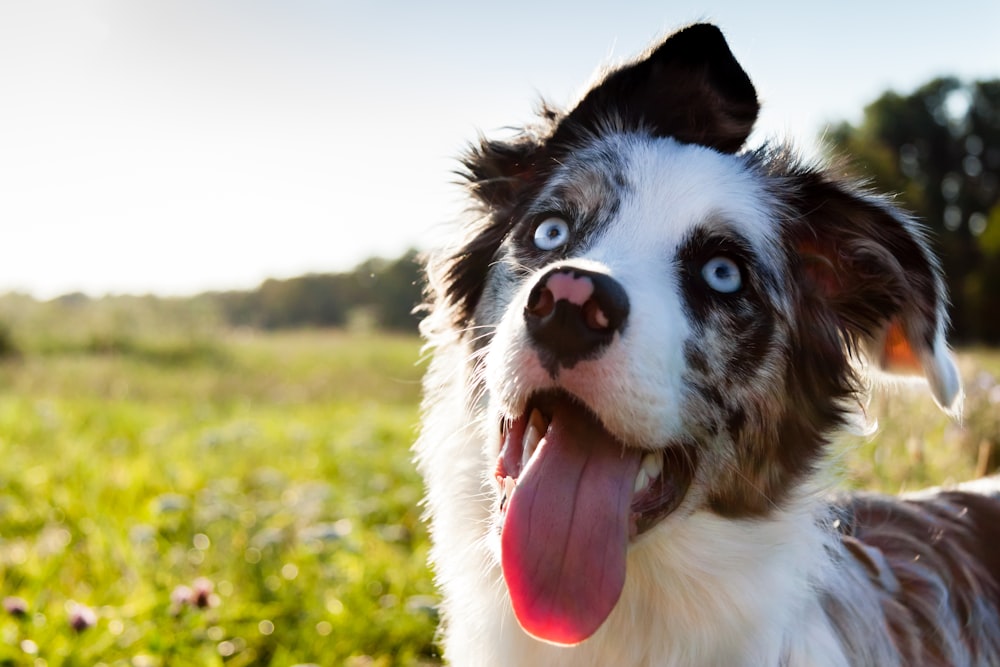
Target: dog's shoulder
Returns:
[[933, 558], [953, 531]]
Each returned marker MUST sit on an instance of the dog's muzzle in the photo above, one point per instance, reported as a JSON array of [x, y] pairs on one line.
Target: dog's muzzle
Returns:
[[573, 314]]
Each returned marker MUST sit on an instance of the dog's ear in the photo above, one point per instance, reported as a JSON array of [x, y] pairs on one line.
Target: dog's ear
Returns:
[[496, 173], [496, 170], [868, 266], [690, 87]]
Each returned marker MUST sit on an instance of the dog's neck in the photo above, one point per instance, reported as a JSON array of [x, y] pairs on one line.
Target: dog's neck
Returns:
[[721, 591], [701, 590]]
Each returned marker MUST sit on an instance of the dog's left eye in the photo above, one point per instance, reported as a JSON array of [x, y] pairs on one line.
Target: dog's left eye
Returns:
[[551, 233], [722, 274]]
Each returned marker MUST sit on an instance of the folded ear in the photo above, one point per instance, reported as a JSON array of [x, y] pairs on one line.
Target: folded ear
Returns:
[[689, 87], [497, 173], [896, 354], [870, 267]]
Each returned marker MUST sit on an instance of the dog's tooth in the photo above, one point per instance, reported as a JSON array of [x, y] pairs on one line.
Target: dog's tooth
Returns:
[[532, 435], [652, 464], [641, 481], [531, 438], [538, 421], [506, 490]]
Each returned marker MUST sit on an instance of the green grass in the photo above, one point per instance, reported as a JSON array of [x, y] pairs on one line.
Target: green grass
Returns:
[[249, 499], [916, 445], [274, 469]]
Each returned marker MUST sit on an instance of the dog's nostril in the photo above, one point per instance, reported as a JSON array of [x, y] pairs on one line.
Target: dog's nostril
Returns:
[[607, 309], [594, 317], [541, 303]]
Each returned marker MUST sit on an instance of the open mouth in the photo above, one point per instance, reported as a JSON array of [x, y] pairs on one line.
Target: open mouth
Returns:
[[573, 496]]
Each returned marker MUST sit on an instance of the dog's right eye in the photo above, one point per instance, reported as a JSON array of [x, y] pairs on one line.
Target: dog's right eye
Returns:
[[551, 233], [722, 274]]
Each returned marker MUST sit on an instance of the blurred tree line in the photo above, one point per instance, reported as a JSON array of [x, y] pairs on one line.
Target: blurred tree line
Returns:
[[378, 293], [938, 148]]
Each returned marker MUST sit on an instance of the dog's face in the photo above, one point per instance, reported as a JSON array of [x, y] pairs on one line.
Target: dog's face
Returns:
[[664, 326]]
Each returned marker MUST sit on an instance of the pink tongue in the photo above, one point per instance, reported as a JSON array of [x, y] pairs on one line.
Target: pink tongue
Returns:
[[566, 531]]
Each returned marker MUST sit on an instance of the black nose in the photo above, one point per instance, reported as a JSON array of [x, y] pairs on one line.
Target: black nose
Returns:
[[572, 315]]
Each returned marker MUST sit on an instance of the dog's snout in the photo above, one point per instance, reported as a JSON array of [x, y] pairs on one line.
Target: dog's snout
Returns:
[[572, 314]]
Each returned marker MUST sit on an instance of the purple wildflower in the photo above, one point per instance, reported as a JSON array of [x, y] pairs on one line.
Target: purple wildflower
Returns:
[[81, 617], [15, 606]]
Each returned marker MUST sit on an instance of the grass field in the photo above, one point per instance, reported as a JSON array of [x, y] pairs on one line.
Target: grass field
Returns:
[[249, 499]]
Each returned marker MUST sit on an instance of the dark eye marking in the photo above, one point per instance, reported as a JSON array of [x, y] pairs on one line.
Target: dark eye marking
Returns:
[[571, 209], [724, 289], [716, 266]]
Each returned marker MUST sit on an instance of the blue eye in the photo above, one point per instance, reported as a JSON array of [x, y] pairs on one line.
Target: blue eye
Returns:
[[722, 274], [551, 233]]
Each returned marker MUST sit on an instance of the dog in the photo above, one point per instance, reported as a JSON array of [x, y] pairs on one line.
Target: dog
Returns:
[[643, 340]]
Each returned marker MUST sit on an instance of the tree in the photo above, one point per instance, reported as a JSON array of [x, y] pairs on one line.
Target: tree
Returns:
[[939, 149], [385, 290], [393, 290]]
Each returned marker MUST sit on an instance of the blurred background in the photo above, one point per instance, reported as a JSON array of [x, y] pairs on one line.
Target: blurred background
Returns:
[[210, 217]]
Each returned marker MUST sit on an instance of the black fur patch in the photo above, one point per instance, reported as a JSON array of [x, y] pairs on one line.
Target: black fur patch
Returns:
[[690, 88]]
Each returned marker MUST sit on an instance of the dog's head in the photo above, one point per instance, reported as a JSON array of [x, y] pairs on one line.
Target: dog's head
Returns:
[[663, 324]]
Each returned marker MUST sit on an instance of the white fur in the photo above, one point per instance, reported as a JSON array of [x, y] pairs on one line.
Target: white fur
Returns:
[[708, 591]]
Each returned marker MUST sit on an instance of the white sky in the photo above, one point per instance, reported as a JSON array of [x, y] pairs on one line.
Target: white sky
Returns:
[[183, 145]]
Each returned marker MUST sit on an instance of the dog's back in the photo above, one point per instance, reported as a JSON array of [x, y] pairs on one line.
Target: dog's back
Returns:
[[934, 564]]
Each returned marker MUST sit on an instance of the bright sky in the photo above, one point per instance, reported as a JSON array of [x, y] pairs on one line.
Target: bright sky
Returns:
[[181, 145]]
